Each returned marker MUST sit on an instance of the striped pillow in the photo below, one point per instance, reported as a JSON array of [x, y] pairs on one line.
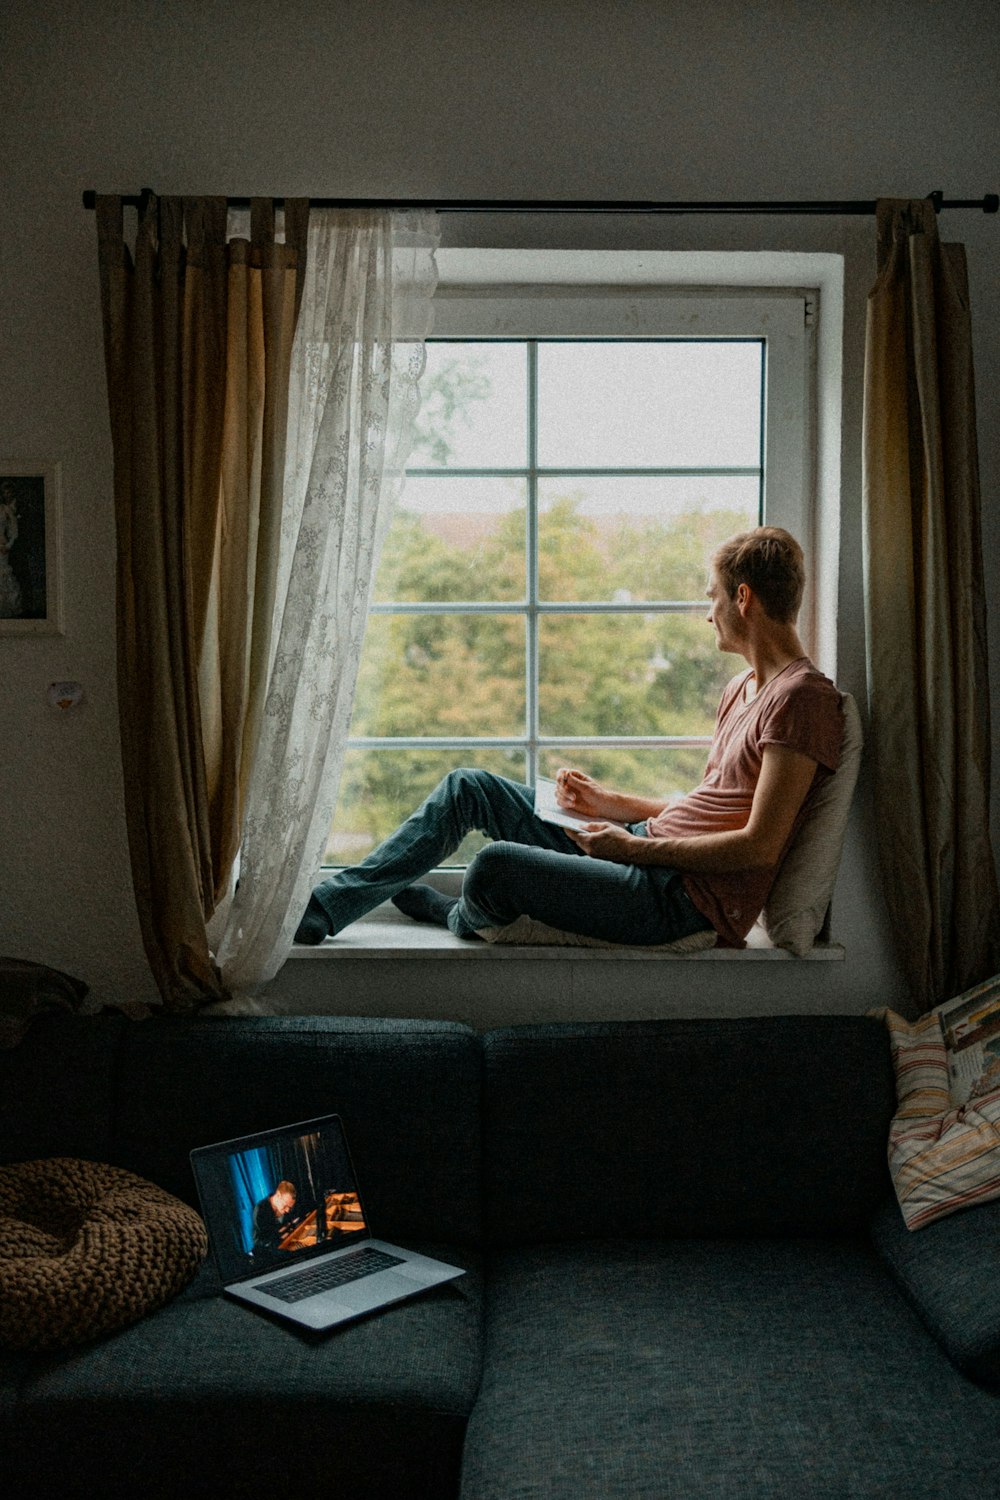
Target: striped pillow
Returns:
[[940, 1158]]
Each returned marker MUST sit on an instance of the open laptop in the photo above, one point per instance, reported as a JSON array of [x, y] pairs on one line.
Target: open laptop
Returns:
[[289, 1233]]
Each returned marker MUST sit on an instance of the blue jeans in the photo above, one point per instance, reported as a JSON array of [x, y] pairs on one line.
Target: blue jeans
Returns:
[[531, 868]]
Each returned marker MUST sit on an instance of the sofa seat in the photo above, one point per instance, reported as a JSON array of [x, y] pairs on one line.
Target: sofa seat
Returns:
[[9, 1386], [724, 1369], [269, 1410]]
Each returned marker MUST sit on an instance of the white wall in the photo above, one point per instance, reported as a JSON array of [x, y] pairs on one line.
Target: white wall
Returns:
[[444, 98]]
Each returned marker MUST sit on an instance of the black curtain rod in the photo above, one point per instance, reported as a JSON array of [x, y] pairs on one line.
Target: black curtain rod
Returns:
[[988, 204]]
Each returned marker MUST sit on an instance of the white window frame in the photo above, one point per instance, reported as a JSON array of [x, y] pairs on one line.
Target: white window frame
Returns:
[[514, 294]]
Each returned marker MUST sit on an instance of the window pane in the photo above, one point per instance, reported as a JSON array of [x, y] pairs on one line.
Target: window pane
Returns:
[[641, 773], [649, 405], [473, 407], [454, 539], [441, 674], [616, 675], [605, 539], [381, 788]]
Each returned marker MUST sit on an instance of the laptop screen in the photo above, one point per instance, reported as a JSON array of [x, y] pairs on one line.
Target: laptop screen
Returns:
[[280, 1196]]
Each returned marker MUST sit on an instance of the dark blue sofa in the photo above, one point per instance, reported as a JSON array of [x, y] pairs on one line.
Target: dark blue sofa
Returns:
[[687, 1276]]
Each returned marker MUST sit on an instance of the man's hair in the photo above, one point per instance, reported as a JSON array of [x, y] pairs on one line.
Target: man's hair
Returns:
[[771, 562], [286, 1187]]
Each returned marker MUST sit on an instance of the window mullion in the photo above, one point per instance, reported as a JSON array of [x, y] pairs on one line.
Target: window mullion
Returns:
[[531, 562], [762, 449]]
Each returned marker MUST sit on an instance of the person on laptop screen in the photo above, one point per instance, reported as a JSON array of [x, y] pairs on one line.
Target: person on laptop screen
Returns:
[[643, 870], [270, 1214]]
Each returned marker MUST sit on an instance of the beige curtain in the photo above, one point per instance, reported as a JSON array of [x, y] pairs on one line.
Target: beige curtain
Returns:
[[925, 610], [354, 396], [198, 337]]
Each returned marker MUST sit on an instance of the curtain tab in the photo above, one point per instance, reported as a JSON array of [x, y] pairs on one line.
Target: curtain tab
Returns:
[[297, 240], [171, 223], [148, 231], [205, 220], [261, 223], [110, 219], [897, 219]]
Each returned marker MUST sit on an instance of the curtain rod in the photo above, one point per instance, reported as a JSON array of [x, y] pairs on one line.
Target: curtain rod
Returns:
[[989, 204]]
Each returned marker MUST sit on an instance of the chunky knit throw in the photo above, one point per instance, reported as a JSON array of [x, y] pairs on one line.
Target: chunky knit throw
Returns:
[[87, 1248]]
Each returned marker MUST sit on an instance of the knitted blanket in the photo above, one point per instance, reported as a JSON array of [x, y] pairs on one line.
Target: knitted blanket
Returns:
[[87, 1248]]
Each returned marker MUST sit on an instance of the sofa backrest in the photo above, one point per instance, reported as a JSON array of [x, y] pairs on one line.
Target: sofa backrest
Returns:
[[141, 1095], [775, 1125], [56, 1088]]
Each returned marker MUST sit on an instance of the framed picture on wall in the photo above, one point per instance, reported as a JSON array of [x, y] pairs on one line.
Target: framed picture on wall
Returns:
[[30, 591]]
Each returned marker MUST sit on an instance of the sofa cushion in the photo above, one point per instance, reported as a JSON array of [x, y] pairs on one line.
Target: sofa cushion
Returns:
[[770, 1125], [408, 1093], [942, 1156], [208, 1398], [530, 932], [798, 901], [950, 1271], [28, 990], [718, 1370]]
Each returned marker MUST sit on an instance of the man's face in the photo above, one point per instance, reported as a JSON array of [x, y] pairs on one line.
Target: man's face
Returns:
[[284, 1202], [723, 615]]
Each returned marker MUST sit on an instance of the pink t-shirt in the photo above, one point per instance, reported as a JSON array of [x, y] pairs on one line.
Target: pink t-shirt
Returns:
[[798, 708]]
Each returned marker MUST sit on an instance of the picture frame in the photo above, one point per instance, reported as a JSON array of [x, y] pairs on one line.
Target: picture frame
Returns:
[[30, 548]]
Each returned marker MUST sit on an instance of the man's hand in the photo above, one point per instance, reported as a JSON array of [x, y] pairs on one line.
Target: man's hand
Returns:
[[581, 794], [606, 841], [576, 792]]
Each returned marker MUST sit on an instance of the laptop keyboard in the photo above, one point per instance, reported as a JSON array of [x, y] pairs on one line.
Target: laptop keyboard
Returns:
[[331, 1274]]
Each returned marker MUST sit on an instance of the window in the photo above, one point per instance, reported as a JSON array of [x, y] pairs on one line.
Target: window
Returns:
[[540, 599]]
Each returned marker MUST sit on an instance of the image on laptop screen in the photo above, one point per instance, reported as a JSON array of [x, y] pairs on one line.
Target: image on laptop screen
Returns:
[[274, 1197]]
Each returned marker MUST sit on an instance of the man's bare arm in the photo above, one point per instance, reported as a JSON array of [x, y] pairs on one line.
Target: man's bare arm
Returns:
[[785, 779]]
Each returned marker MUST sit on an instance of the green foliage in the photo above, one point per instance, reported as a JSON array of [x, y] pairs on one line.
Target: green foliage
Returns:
[[446, 393]]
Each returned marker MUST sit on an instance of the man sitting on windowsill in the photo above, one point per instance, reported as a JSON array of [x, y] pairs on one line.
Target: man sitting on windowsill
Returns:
[[706, 862]]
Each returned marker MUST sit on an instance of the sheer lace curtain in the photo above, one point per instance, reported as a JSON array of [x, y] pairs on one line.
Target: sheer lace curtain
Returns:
[[353, 397]]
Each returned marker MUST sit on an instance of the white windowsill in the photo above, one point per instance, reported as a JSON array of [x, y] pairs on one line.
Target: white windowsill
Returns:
[[388, 965], [386, 932]]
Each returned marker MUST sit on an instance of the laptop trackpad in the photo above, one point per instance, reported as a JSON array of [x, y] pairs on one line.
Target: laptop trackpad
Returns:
[[373, 1290]]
